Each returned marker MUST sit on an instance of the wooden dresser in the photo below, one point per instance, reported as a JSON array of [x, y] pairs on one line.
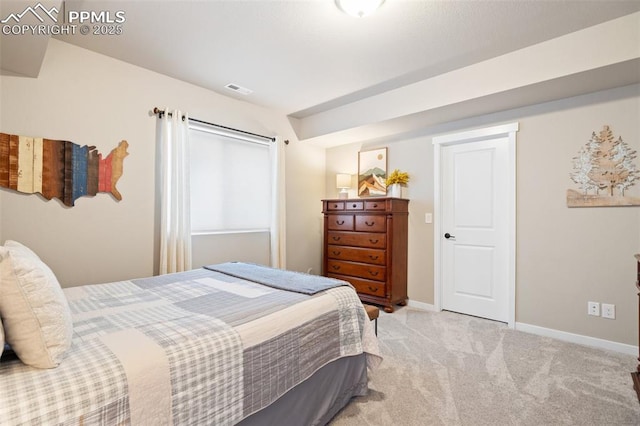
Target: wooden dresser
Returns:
[[636, 374], [365, 243]]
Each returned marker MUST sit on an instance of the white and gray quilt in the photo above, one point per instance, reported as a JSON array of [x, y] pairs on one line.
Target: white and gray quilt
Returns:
[[198, 347]]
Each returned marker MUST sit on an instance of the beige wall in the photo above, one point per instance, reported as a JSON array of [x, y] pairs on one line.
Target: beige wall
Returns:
[[95, 100], [565, 257]]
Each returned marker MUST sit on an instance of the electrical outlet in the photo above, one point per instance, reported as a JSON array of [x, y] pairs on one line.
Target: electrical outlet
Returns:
[[608, 311], [593, 308]]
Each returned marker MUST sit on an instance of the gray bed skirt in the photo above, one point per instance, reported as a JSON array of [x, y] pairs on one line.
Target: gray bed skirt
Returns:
[[319, 398]]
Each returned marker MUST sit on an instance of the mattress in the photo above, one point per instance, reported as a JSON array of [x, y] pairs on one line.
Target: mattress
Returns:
[[197, 347]]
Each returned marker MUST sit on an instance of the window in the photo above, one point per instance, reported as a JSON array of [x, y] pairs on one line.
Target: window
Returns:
[[231, 182]]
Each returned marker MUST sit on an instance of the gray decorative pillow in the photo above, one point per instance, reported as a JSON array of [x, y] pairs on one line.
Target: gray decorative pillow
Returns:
[[36, 316]]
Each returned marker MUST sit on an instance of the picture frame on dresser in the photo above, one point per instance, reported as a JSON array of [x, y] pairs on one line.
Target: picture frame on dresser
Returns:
[[365, 243], [372, 173]]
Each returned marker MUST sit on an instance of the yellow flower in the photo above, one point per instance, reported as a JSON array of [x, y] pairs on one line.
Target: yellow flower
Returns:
[[398, 177]]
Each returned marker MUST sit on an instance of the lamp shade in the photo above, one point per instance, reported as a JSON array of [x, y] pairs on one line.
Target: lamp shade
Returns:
[[343, 180], [359, 8]]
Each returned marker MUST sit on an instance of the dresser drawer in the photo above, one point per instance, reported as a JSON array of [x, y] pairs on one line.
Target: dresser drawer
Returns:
[[371, 272], [363, 286], [374, 205], [364, 255], [359, 239], [335, 205], [354, 205], [373, 223], [340, 222]]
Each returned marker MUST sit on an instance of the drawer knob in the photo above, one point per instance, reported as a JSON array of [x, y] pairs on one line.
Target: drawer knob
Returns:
[[335, 267], [336, 238], [373, 289], [374, 273], [375, 205], [336, 253], [353, 205], [369, 223], [335, 206], [372, 241], [373, 257], [340, 222]]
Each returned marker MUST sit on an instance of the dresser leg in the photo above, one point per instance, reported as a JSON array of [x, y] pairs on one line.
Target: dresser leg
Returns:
[[636, 383], [389, 309]]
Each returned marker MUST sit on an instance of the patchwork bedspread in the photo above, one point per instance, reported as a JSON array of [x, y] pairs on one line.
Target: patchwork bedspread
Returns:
[[198, 347]]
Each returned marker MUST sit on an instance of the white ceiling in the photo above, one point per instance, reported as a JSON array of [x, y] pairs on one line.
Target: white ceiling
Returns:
[[304, 57]]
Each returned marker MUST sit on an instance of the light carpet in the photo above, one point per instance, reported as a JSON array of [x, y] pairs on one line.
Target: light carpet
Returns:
[[442, 368]]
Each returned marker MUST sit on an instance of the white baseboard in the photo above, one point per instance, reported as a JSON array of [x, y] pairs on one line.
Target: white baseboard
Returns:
[[556, 334], [421, 305], [578, 338]]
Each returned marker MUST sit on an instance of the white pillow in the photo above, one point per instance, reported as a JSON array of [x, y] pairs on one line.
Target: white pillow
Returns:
[[35, 312]]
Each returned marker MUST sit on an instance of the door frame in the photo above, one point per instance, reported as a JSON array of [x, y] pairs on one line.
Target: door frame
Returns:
[[505, 130]]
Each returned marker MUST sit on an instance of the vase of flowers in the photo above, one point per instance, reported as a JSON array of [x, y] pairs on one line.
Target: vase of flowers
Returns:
[[395, 182]]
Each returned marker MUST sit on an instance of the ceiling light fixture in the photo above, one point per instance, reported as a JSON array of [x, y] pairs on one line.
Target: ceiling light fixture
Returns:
[[359, 8]]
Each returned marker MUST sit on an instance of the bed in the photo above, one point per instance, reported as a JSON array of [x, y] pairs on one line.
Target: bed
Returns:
[[226, 344]]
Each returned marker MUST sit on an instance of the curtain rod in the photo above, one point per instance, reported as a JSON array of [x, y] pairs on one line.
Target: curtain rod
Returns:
[[160, 112]]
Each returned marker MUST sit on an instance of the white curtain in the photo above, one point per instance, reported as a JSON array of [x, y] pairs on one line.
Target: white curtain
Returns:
[[175, 233], [278, 218]]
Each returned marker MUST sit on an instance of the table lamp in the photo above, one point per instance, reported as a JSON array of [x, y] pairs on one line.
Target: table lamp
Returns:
[[343, 183]]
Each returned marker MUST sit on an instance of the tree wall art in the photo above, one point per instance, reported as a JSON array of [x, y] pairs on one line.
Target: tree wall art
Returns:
[[604, 171]]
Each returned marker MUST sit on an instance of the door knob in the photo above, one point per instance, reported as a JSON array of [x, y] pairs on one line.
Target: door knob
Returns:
[[448, 236]]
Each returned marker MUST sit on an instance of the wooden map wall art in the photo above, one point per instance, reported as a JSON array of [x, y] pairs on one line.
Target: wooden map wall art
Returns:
[[604, 170], [59, 169]]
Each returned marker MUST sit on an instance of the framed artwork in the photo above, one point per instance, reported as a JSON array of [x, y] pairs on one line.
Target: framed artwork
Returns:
[[605, 171], [372, 173]]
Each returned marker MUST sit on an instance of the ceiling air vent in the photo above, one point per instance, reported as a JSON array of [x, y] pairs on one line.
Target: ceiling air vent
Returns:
[[238, 89]]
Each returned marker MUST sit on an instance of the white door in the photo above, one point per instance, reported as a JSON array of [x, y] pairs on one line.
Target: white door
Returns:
[[476, 227]]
